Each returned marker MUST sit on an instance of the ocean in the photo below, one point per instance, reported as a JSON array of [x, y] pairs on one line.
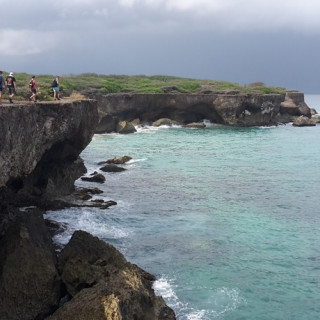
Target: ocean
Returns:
[[227, 219]]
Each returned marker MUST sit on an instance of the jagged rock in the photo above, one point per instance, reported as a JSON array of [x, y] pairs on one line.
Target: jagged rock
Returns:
[[303, 121], [112, 168], [125, 127], [197, 125], [29, 282], [104, 285], [98, 177], [164, 122], [85, 193], [119, 160]]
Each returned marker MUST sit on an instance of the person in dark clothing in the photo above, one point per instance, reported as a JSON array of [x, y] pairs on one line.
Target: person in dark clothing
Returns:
[[11, 85], [1, 85]]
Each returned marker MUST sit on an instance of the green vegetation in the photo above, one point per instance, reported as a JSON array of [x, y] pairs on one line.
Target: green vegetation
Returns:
[[91, 82]]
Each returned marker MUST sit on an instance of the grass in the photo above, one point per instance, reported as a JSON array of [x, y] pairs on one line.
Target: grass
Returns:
[[104, 84]]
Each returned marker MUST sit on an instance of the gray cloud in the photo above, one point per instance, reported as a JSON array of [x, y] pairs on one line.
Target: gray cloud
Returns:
[[235, 40]]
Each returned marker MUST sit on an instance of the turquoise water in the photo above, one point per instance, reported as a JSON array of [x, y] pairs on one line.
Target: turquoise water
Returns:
[[228, 219]]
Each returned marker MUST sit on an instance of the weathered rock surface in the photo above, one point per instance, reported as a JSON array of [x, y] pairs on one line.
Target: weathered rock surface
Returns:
[[164, 122], [294, 105], [107, 124], [125, 127], [303, 121], [29, 282], [196, 125], [119, 160], [40, 145], [103, 283], [229, 108]]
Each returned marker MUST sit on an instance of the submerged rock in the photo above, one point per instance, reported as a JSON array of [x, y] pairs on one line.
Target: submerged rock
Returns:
[[98, 177], [112, 168], [197, 125]]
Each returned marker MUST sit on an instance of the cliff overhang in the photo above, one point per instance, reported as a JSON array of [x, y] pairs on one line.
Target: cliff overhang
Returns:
[[227, 108], [40, 145]]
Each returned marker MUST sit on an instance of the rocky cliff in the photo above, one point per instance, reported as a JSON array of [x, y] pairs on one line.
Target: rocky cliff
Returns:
[[227, 108], [40, 145], [39, 160]]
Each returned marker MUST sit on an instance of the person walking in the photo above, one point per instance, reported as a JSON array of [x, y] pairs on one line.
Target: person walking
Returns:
[[1, 85], [33, 88], [11, 85], [55, 87]]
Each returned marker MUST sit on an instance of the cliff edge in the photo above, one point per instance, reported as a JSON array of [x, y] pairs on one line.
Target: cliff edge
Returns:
[[39, 160], [227, 108], [40, 145]]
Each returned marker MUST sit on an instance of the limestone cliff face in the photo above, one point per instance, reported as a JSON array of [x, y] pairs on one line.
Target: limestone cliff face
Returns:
[[233, 109], [40, 143], [229, 109]]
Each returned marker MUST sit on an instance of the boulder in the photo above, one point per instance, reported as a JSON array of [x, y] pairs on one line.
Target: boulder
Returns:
[[119, 160], [125, 127], [97, 177], [164, 122], [29, 282], [112, 168], [104, 285], [136, 122], [197, 125], [303, 121], [107, 124]]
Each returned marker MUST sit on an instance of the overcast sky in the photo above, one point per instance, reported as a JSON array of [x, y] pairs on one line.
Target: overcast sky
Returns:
[[244, 41]]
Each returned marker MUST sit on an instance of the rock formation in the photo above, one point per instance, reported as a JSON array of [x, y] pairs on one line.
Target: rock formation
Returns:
[[228, 108], [39, 157], [103, 283], [40, 144]]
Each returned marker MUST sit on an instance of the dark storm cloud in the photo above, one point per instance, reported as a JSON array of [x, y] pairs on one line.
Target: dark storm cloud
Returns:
[[234, 40]]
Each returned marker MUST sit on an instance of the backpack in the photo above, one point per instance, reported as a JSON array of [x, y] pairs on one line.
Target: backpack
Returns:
[[54, 83]]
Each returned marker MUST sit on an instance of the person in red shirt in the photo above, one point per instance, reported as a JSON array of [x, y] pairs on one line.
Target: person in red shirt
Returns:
[[33, 88]]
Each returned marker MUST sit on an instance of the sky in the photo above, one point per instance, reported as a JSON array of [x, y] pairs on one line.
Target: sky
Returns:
[[242, 41]]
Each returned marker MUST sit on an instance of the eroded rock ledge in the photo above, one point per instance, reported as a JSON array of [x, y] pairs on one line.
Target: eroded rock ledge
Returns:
[[39, 160], [226, 108]]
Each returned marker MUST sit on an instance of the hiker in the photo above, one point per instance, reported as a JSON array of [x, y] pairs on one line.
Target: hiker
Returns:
[[55, 87], [1, 85], [11, 85], [33, 88]]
